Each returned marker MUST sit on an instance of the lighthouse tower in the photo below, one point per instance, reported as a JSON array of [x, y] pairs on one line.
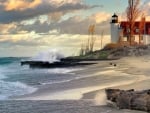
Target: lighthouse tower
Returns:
[[114, 29]]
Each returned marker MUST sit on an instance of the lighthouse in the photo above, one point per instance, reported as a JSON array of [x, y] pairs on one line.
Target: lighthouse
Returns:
[[119, 31], [114, 29]]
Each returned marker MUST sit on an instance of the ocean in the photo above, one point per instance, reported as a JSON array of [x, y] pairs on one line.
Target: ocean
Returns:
[[16, 80]]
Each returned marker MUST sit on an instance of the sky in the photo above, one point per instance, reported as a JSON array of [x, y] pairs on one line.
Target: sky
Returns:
[[28, 27]]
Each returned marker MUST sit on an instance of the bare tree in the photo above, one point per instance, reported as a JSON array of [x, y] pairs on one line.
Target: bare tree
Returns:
[[81, 53], [92, 40], [141, 28], [102, 36], [87, 48], [133, 13]]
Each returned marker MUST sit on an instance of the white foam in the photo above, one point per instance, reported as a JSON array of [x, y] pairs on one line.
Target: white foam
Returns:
[[63, 70], [100, 98], [14, 89], [56, 82], [49, 56]]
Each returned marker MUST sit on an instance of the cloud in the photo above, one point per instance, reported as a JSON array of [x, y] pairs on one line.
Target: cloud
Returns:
[[26, 4], [73, 25], [21, 4], [21, 40], [13, 45], [100, 17], [18, 10], [22, 28], [7, 28], [146, 8]]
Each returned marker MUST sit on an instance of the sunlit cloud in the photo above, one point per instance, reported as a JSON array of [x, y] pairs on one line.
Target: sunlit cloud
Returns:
[[19, 10], [21, 4], [7, 28], [101, 16]]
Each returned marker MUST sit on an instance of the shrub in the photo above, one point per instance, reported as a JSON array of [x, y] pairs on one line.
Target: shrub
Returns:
[[103, 54], [111, 46], [116, 45]]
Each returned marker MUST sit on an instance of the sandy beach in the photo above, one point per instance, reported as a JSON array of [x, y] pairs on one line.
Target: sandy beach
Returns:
[[129, 73], [126, 75], [137, 67]]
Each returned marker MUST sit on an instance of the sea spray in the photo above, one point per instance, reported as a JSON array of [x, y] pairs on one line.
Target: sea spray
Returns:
[[48, 56], [100, 98]]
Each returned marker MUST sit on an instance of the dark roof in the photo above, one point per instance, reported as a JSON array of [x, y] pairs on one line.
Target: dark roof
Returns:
[[114, 15]]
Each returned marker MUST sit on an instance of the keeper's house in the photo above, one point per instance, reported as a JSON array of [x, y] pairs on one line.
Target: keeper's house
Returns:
[[120, 30]]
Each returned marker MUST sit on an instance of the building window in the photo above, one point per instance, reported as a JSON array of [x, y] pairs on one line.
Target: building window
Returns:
[[137, 30], [128, 30], [148, 30], [141, 37]]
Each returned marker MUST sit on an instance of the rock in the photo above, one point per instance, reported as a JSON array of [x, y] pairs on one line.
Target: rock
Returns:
[[112, 94], [130, 99], [62, 64], [115, 65], [110, 63]]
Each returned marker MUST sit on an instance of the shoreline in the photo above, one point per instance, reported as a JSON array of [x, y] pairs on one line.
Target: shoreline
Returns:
[[126, 75], [93, 86], [75, 84]]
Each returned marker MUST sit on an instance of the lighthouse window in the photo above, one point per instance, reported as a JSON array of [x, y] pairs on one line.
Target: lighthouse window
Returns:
[[113, 18]]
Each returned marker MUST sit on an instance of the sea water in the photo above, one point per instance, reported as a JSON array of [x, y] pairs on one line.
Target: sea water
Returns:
[[9, 68], [16, 80]]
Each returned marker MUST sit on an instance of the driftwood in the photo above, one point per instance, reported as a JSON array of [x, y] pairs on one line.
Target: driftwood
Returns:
[[130, 99]]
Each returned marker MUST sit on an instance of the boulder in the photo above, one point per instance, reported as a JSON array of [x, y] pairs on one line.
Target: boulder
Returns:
[[129, 99]]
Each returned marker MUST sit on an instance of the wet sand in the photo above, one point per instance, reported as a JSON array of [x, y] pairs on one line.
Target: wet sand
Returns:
[[28, 106]]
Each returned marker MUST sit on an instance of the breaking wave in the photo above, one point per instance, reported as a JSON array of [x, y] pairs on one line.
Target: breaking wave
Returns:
[[48, 56], [10, 89]]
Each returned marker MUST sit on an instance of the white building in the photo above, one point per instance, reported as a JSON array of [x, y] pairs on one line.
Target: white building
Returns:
[[121, 30]]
